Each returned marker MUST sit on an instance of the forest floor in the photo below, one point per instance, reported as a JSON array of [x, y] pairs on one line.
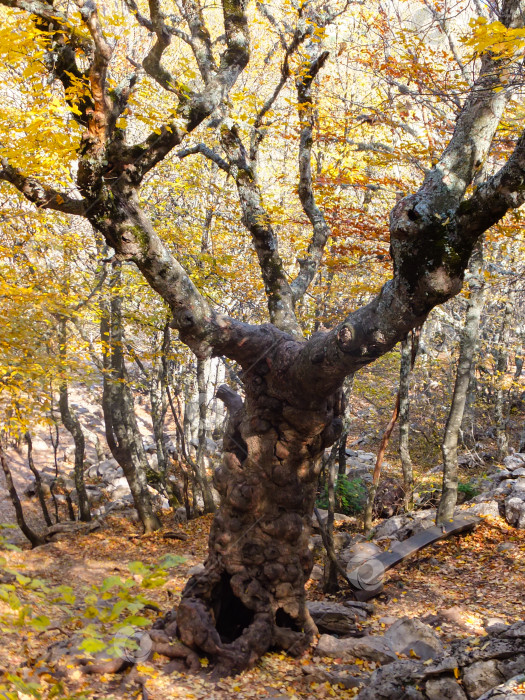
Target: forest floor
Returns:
[[463, 581]]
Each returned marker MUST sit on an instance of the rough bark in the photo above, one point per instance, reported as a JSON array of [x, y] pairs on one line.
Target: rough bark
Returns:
[[72, 425], [469, 340], [251, 594], [122, 433], [33, 537]]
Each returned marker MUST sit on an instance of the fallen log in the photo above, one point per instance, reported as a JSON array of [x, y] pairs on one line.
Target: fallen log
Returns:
[[366, 577]]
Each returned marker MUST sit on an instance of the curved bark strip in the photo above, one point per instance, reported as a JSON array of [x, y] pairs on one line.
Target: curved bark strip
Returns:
[[251, 594]]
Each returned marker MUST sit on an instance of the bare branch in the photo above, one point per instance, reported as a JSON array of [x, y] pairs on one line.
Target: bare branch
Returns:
[[207, 153], [309, 265], [256, 219], [200, 42], [474, 130], [495, 197], [195, 107], [99, 121], [43, 197]]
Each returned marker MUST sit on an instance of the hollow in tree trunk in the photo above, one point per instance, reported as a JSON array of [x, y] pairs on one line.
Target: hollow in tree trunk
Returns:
[[251, 594]]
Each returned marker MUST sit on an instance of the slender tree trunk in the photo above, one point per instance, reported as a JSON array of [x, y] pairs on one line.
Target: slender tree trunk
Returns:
[[38, 480], [502, 359], [521, 447], [341, 453], [369, 508], [469, 340], [182, 442], [367, 521], [72, 425], [158, 383], [409, 348], [122, 433], [331, 584], [337, 455], [207, 495], [35, 539]]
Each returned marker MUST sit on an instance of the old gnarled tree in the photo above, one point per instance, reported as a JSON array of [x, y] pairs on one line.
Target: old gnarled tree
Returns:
[[251, 595]]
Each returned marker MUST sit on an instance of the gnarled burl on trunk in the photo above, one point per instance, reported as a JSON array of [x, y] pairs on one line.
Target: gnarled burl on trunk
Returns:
[[251, 595]]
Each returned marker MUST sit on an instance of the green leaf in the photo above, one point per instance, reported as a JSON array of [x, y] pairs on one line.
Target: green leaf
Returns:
[[92, 645], [110, 582], [137, 567], [137, 620], [171, 560], [40, 623]]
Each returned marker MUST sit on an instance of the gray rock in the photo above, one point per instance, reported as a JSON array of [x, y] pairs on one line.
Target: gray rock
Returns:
[[480, 677], [411, 635], [118, 488], [358, 554], [514, 461], [518, 486], [92, 472], [106, 465], [515, 511], [333, 618], [317, 573], [344, 675], [445, 687], [95, 494], [369, 648], [518, 472], [180, 516], [488, 508], [507, 547], [341, 540], [504, 488], [505, 690], [405, 524], [339, 518], [512, 667], [196, 570], [390, 526]]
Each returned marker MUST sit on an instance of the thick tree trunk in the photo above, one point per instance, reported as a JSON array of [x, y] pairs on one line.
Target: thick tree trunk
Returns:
[[72, 425], [467, 349], [122, 433], [35, 539], [251, 594]]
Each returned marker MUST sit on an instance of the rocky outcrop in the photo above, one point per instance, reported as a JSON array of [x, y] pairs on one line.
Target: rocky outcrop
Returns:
[[472, 669]]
